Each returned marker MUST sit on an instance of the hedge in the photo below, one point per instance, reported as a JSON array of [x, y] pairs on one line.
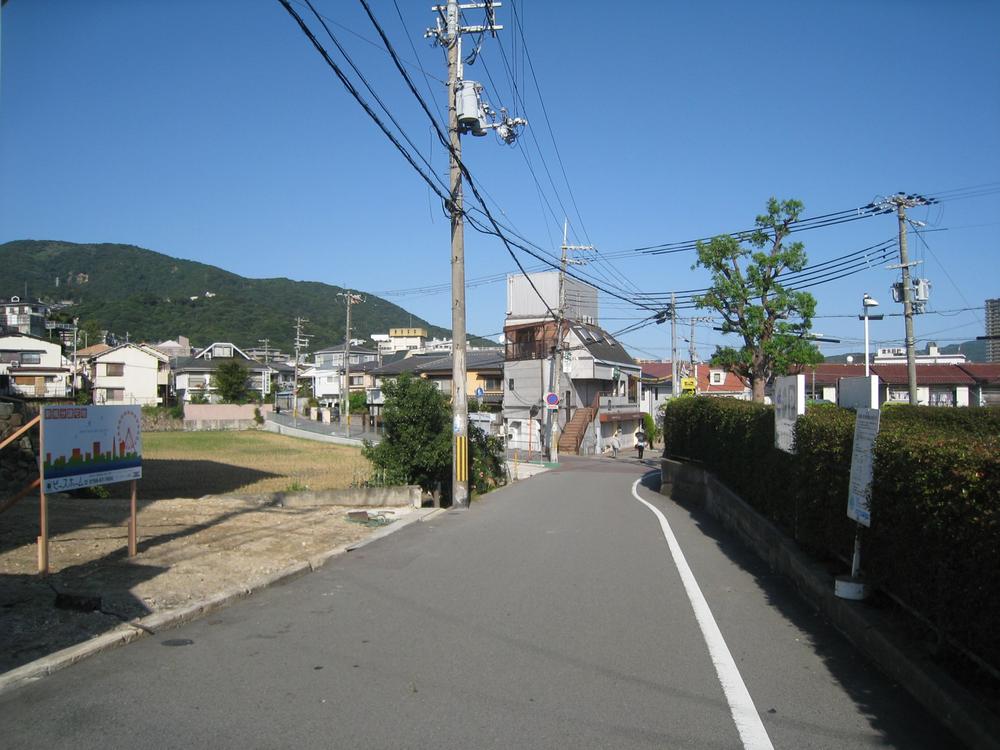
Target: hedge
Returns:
[[934, 542]]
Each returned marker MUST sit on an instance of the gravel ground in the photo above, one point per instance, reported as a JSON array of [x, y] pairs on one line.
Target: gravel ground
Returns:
[[189, 549]]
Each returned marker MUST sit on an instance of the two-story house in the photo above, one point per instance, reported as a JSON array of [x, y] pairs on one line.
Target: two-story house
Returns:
[[31, 367], [23, 316], [128, 374], [327, 372], [193, 375]]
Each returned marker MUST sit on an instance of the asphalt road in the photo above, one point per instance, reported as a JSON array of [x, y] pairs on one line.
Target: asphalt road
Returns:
[[550, 615]]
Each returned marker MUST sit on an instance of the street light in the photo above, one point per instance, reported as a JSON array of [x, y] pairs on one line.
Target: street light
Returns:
[[868, 302]]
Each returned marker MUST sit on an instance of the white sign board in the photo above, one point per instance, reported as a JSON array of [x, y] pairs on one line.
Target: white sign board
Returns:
[[789, 405], [88, 445], [858, 393], [859, 495]]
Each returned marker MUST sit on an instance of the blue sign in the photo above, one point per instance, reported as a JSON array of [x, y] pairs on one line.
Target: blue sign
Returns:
[[480, 393]]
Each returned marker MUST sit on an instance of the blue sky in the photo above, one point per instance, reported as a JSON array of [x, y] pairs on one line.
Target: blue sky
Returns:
[[213, 131]]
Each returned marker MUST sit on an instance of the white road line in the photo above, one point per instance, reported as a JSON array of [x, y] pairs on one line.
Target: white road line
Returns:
[[748, 722]]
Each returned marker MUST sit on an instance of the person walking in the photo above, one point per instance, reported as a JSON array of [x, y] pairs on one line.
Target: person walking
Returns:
[[640, 441], [616, 443]]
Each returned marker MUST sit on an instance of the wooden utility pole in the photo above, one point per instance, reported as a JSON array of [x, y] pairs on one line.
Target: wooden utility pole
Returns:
[[300, 342]]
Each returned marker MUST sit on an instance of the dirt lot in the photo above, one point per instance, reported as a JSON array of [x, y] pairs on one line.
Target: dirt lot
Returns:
[[189, 549]]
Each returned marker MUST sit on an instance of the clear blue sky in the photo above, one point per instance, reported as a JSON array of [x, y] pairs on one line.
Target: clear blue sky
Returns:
[[213, 131]]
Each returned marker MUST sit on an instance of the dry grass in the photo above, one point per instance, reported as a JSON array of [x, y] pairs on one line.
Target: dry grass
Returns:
[[193, 464]]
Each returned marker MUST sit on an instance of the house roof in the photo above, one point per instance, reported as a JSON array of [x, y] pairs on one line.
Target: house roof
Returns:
[[93, 349], [340, 348], [828, 373], [926, 375], [731, 383], [406, 364], [661, 371], [141, 347], [484, 359], [194, 364], [984, 373], [601, 344]]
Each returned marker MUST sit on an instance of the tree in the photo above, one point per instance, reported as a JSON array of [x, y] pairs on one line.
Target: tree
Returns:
[[416, 447], [746, 291], [231, 382]]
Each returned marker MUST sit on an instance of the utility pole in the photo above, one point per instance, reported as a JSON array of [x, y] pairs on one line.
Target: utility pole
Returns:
[[555, 375], [301, 342], [466, 113], [901, 203], [265, 376], [345, 392], [675, 386]]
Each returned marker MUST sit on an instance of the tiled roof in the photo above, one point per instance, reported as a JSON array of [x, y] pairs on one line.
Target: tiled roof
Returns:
[[926, 375], [407, 364], [488, 359], [656, 371], [984, 373], [602, 344], [828, 373]]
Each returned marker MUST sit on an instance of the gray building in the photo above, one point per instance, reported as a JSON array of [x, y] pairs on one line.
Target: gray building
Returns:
[[993, 330]]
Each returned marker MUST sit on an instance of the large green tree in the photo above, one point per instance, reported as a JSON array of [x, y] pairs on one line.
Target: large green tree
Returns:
[[747, 292], [231, 381]]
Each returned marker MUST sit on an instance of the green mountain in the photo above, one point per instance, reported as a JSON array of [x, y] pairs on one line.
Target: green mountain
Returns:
[[153, 297]]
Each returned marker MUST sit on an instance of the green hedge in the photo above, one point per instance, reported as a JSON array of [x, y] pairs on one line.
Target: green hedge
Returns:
[[935, 535]]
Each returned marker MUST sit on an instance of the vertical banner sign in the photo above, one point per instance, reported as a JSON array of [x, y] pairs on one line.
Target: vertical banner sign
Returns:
[[865, 432], [90, 445], [789, 405]]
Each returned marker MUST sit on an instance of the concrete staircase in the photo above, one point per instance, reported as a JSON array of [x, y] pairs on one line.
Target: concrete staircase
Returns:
[[576, 428]]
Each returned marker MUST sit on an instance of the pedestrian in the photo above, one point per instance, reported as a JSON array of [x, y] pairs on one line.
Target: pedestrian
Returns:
[[640, 441], [616, 443]]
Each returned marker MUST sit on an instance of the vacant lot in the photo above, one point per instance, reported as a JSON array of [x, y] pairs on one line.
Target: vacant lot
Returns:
[[193, 464]]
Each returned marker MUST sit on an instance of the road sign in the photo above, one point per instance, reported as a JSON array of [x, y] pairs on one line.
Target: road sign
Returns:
[[480, 392], [551, 400], [865, 431], [689, 384]]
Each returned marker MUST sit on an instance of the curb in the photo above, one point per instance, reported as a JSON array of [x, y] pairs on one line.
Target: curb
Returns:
[[930, 686], [152, 624]]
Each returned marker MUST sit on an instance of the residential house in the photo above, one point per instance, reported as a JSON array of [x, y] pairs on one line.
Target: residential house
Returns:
[[327, 372], [175, 349], [193, 375], [657, 386], [32, 367], [598, 386], [392, 367], [23, 316], [937, 385], [986, 388], [128, 374]]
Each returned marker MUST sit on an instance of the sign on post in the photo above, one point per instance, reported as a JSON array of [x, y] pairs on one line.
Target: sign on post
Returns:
[[551, 401], [90, 445], [789, 405], [859, 495], [858, 392]]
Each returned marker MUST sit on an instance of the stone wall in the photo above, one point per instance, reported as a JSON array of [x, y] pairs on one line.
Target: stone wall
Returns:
[[19, 460]]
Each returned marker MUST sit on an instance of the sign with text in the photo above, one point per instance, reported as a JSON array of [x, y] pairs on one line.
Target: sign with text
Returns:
[[85, 446], [859, 494], [789, 405]]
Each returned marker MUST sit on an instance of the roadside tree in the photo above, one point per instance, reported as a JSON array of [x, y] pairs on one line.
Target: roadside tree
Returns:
[[231, 382], [746, 290]]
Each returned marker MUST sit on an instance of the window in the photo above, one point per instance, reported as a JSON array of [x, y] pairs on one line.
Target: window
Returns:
[[114, 394], [510, 384], [114, 369], [718, 377], [31, 358], [196, 381], [491, 384]]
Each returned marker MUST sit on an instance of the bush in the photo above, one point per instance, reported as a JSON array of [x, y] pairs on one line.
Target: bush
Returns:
[[935, 503]]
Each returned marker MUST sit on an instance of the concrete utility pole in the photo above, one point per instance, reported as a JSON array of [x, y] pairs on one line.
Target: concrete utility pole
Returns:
[[555, 375], [301, 342], [902, 202], [448, 33], [265, 376], [675, 386], [345, 392]]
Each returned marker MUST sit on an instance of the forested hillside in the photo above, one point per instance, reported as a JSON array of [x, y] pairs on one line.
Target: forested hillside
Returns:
[[152, 297]]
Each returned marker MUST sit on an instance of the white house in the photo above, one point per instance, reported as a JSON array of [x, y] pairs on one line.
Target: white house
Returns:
[[129, 374], [31, 367], [193, 375], [327, 371]]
